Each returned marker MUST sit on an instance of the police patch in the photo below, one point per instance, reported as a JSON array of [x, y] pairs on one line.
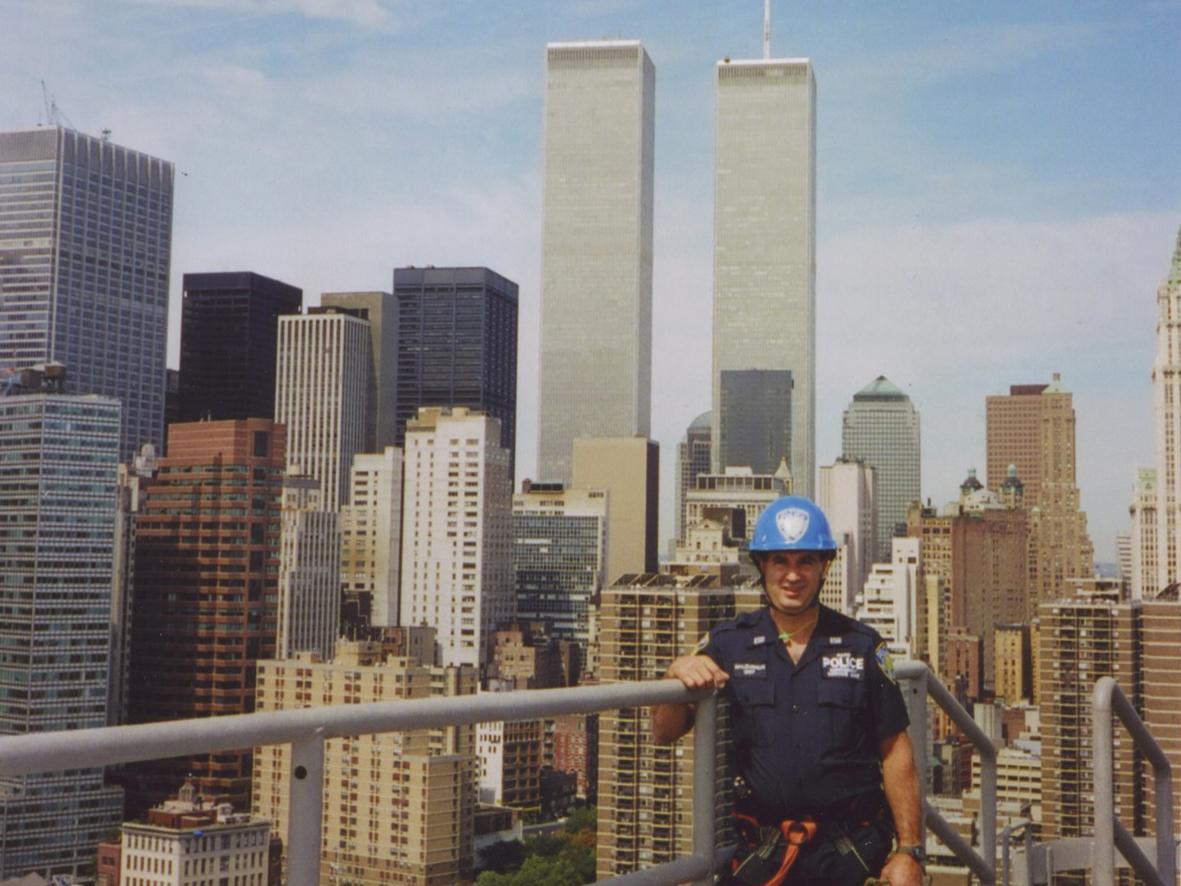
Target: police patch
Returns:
[[843, 665], [885, 661], [792, 523]]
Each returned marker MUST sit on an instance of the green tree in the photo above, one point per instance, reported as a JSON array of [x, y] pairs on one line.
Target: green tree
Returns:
[[502, 856], [582, 819]]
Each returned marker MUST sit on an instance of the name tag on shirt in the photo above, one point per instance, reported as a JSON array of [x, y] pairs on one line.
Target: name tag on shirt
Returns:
[[750, 669], [843, 665]]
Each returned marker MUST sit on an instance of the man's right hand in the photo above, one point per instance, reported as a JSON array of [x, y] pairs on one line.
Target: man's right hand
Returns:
[[697, 672]]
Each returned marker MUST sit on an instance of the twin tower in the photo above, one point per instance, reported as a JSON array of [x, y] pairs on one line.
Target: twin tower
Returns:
[[596, 283]]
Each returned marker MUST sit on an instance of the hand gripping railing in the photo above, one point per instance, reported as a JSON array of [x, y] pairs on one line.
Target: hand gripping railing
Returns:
[[306, 730], [918, 683], [1109, 831]]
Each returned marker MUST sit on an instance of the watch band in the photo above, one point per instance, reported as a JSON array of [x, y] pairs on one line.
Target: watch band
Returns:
[[918, 853]]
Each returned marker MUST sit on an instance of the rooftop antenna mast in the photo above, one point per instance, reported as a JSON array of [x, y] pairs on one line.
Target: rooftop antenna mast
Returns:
[[766, 29]]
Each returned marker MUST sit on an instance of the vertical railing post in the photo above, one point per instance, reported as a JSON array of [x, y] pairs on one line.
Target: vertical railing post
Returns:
[[705, 728], [988, 763], [1166, 844], [915, 695], [1102, 762], [306, 809]]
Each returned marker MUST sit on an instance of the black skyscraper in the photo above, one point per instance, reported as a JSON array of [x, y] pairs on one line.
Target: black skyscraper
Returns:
[[229, 327], [457, 344]]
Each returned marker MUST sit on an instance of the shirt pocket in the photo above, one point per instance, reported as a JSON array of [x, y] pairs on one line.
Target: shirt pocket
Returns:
[[753, 711], [842, 703]]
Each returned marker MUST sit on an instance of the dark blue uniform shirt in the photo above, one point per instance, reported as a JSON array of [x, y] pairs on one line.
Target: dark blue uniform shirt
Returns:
[[805, 735]]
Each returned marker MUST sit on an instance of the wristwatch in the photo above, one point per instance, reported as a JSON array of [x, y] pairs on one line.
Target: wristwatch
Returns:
[[918, 853]]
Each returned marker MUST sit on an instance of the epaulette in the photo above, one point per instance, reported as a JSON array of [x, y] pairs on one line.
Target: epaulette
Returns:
[[748, 619]]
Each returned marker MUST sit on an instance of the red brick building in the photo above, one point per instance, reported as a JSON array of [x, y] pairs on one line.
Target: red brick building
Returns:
[[205, 596]]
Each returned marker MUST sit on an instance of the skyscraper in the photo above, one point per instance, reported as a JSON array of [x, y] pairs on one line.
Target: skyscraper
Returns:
[[847, 499], [206, 595], [1161, 686], [1032, 427], [628, 470], [228, 337], [456, 345], [456, 531], [58, 460], [1145, 537], [1084, 637], [692, 459], [309, 572], [559, 556], [755, 426], [324, 392], [1166, 411], [84, 266], [596, 248], [371, 540], [645, 789], [381, 311], [764, 315], [881, 428]]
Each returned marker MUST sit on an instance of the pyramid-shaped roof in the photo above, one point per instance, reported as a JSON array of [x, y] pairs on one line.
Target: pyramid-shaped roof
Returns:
[[881, 388]]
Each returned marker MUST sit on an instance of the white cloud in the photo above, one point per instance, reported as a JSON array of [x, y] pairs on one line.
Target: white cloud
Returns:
[[365, 13]]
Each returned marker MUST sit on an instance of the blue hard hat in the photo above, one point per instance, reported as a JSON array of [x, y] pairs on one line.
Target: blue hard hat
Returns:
[[792, 523]]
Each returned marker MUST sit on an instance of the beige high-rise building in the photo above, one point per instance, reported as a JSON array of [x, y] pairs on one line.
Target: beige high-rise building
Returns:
[[646, 790], [628, 470], [371, 537], [595, 372], [1160, 680], [309, 571], [1013, 668], [379, 309], [398, 806], [1085, 637], [847, 490], [979, 550], [1166, 411], [764, 315], [457, 530], [1033, 428], [891, 602], [323, 390]]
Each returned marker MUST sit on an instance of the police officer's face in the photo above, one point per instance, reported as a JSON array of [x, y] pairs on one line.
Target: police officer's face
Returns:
[[792, 579]]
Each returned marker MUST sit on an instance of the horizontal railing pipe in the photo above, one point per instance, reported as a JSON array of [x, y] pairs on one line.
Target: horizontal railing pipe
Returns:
[[53, 751]]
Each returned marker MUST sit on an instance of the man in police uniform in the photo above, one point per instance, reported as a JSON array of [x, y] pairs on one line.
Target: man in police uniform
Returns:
[[818, 722]]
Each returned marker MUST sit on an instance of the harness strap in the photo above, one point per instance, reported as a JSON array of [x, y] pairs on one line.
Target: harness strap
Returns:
[[796, 833]]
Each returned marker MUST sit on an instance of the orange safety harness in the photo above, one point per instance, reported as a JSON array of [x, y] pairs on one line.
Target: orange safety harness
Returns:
[[795, 834]]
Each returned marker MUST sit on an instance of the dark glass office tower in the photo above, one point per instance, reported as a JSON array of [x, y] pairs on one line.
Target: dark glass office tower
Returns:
[[228, 334], [755, 426], [84, 261], [457, 344]]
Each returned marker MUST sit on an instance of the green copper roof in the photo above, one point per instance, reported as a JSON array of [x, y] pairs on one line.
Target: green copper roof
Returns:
[[1175, 271], [881, 388]]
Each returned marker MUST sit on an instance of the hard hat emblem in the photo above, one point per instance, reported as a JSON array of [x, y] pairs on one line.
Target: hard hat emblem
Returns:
[[792, 523]]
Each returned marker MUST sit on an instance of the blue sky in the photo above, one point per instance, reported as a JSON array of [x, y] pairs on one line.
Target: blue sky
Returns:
[[999, 184]]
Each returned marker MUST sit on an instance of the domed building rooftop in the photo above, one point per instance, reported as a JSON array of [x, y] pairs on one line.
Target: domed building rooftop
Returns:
[[702, 422]]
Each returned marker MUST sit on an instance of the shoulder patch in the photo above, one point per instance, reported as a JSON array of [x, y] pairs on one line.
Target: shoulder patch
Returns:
[[881, 654]]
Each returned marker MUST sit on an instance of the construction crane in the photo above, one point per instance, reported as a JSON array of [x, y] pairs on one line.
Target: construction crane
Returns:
[[53, 114]]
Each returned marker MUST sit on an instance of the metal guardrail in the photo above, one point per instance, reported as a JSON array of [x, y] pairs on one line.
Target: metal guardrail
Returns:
[[919, 684], [1110, 833], [306, 730]]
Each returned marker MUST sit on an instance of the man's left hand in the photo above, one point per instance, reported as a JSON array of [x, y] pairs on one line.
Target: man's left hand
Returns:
[[902, 870]]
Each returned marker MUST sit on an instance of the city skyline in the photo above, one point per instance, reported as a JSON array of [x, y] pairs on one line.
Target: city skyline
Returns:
[[969, 194]]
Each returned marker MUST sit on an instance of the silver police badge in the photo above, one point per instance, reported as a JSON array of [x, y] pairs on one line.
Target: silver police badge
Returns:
[[792, 523]]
